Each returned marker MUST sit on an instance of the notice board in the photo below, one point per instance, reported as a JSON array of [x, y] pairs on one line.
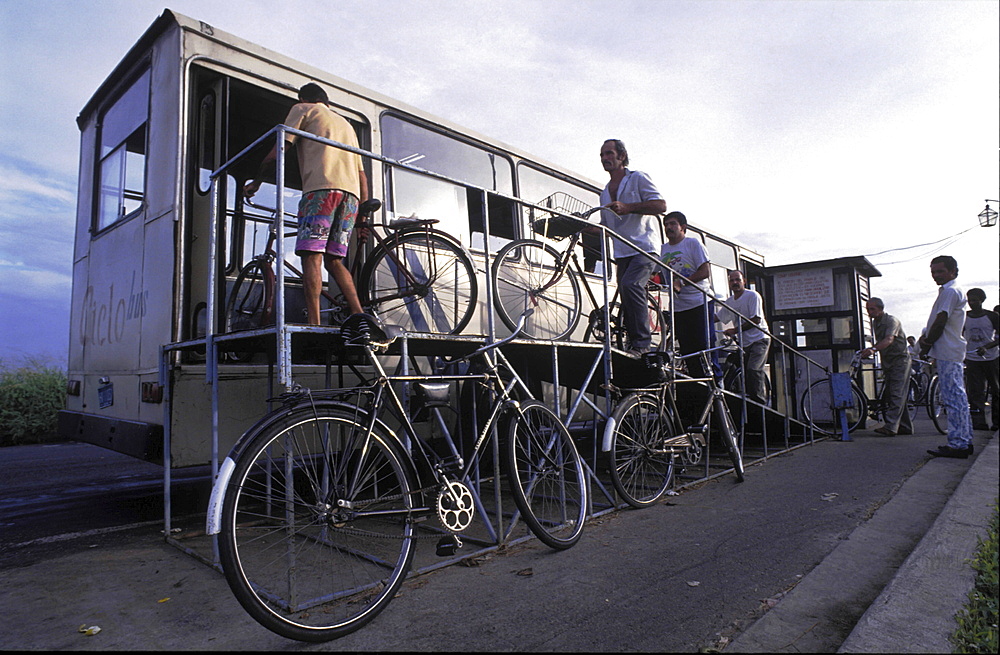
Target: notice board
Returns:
[[806, 288]]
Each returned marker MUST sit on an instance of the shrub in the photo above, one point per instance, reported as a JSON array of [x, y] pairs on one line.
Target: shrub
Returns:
[[977, 621], [31, 395]]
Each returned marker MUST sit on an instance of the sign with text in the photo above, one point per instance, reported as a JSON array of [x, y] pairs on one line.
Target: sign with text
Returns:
[[808, 288]]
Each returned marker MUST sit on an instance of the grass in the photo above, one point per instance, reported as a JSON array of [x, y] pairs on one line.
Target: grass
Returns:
[[31, 395], [977, 621]]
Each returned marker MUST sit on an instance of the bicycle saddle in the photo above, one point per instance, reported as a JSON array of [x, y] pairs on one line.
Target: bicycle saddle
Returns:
[[360, 329], [369, 207]]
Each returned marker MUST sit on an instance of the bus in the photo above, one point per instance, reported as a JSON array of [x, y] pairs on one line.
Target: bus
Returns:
[[185, 100]]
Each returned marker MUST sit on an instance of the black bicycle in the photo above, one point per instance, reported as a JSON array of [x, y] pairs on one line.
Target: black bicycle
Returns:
[[319, 506], [645, 436], [415, 276]]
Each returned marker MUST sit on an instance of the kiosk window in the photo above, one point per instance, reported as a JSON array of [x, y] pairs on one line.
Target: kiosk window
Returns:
[[122, 157]]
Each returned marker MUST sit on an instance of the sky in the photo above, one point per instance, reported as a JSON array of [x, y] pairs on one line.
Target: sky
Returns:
[[806, 130]]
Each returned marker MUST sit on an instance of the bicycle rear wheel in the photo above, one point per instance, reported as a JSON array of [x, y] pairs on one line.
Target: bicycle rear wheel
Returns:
[[937, 411], [251, 300], [421, 281], [547, 476], [818, 411], [640, 468], [524, 277], [728, 432], [317, 533]]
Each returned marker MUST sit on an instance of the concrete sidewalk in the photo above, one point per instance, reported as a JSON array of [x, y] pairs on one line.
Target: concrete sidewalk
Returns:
[[915, 611]]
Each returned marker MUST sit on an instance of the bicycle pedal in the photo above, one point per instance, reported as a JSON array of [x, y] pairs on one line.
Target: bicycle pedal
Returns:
[[452, 464], [448, 546]]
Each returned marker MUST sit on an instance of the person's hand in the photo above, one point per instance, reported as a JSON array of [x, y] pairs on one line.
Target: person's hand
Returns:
[[251, 188], [981, 351], [867, 352], [618, 207]]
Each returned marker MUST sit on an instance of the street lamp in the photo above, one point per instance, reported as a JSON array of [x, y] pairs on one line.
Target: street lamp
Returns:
[[988, 217]]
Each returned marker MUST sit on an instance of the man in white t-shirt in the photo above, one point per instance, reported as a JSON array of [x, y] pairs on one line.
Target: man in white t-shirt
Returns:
[[688, 259], [747, 330], [944, 342], [634, 199], [982, 360]]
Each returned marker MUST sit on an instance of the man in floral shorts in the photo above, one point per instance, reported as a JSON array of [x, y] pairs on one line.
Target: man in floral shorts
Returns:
[[333, 184]]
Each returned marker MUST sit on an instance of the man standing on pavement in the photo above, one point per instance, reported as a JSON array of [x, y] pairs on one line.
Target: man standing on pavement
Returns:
[[891, 342], [982, 360], [944, 342], [333, 184], [634, 199], [754, 342], [688, 259]]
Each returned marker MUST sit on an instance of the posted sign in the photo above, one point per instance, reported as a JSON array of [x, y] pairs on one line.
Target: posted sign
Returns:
[[808, 288]]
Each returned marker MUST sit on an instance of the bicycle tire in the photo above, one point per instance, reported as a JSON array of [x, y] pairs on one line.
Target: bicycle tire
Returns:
[[547, 476], [251, 300], [658, 330], [937, 412], [641, 471], [320, 557], [733, 381], [728, 431], [519, 271], [817, 408], [446, 292]]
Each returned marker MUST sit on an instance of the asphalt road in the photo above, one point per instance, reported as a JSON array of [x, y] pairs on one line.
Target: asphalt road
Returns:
[[689, 573]]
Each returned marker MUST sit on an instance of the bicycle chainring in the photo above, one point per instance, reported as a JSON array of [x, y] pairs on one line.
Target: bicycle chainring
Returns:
[[455, 506]]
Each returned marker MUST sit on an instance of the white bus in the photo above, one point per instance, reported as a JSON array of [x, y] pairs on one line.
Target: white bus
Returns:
[[185, 100]]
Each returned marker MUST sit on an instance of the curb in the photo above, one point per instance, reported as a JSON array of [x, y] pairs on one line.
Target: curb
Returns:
[[916, 611]]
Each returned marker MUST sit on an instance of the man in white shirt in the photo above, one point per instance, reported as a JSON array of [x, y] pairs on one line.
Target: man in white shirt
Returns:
[[634, 199], [755, 343], [688, 259], [982, 360], [944, 342]]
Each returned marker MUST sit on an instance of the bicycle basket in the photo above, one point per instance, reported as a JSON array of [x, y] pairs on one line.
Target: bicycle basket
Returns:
[[555, 225]]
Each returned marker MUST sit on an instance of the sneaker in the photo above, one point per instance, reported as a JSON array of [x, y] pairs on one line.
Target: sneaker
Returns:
[[885, 432]]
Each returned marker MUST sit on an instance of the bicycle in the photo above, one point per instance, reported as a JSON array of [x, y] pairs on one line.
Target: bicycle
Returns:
[[317, 506], [528, 273], [416, 276], [645, 436], [817, 402], [732, 371]]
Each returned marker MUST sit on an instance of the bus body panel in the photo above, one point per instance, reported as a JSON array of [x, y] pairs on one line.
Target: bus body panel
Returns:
[[141, 283]]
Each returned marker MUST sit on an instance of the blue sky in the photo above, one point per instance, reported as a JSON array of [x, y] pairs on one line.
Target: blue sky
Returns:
[[806, 130]]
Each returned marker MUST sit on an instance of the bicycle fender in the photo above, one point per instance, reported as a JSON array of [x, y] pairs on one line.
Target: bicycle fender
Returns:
[[609, 434], [213, 522]]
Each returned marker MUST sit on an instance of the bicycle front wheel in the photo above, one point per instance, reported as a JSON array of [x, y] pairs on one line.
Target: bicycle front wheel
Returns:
[[728, 432], [547, 476], [937, 411], [421, 281], [641, 469], [818, 411], [528, 274], [317, 528]]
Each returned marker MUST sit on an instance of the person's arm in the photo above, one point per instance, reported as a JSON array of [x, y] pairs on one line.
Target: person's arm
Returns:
[[934, 333], [981, 350], [266, 164], [363, 181], [700, 274], [655, 206]]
